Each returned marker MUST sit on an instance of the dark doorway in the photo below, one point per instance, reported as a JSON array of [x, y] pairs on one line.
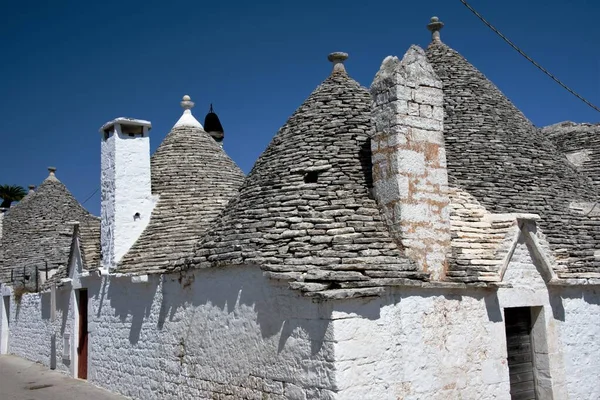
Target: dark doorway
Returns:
[[520, 353], [82, 347]]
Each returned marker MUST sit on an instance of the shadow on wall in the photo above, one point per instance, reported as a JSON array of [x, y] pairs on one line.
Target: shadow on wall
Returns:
[[130, 300], [590, 295], [201, 300]]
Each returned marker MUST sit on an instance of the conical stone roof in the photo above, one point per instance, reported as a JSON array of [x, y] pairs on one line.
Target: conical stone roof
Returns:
[[304, 212], [498, 156], [37, 231], [580, 143], [194, 179]]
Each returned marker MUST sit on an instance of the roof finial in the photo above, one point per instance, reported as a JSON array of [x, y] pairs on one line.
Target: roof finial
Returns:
[[52, 170], [187, 103], [187, 119], [338, 59], [435, 26], [31, 188]]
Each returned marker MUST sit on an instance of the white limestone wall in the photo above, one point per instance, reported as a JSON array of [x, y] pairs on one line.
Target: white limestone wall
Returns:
[[107, 200], [219, 333], [126, 191], [2, 211], [579, 333], [440, 344], [32, 333]]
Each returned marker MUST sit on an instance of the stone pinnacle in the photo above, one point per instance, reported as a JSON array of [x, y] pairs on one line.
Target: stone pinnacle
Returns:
[[435, 26], [338, 59]]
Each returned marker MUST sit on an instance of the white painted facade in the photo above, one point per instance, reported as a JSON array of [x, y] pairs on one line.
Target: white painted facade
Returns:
[[127, 201], [444, 344], [232, 332]]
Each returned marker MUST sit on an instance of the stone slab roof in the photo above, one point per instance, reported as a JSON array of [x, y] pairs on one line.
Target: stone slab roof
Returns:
[[305, 213], [195, 179], [580, 143], [480, 240], [37, 231], [88, 235], [509, 166]]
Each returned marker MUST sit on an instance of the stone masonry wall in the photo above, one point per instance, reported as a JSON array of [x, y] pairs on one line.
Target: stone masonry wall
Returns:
[[409, 160], [211, 334], [2, 211], [32, 333], [579, 330], [436, 344]]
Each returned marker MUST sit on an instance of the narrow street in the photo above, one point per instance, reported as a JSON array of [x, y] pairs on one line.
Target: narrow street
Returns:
[[23, 380]]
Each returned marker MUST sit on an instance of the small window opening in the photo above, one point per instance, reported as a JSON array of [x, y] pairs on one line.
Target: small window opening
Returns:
[[311, 177], [136, 216]]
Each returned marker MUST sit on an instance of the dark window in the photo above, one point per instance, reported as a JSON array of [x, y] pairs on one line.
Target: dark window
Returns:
[[311, 177]]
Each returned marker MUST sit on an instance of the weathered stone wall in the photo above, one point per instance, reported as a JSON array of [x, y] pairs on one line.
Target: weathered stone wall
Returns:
[[2, 211], [409, 160], [579, 332], [222, 333], [437, 344], [32, 333]]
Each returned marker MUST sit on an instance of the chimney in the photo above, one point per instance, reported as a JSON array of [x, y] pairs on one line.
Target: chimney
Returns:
[[2, 211], [409, 159], [126, 193]]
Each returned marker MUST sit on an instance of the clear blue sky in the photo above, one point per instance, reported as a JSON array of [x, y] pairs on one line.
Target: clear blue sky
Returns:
[[68, 67]]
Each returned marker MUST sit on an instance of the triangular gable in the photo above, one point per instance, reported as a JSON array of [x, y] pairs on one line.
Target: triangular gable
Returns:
[[528, 250], [75, 263]]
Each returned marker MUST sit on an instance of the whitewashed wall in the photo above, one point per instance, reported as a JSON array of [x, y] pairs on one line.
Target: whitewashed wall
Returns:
[[418, 344], [231, 333], [579, 332], [32, 333], [220, 333]]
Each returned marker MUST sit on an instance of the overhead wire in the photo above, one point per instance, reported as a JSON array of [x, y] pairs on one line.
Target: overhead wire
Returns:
[[91, 195], [521, 52]]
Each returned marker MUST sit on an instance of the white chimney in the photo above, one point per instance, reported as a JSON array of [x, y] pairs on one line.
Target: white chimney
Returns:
[[410, 177], [2, 211], [127, 200]]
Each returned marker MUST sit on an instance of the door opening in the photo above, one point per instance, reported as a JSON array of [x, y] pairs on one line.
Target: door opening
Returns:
[[82, 346], [521, 365]]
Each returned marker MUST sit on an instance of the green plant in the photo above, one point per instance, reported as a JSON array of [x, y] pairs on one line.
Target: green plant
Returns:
[[10, 193]]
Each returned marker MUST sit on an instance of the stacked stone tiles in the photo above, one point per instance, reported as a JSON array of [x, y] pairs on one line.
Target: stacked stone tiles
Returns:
[[38, 230], [480, 240], [495, 154], [194, 180], [88, 236], [305, 212], [580, 143]]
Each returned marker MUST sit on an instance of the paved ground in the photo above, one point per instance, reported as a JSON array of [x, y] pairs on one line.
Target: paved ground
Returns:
[[24, 380]]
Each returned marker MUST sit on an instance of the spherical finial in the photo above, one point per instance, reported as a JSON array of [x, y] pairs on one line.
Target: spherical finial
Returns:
[[338, 58], [435, 26], [52, 170], [187, 103]]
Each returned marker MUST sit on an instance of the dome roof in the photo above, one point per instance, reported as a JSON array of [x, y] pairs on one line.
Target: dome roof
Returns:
[[37, 231], [305, 211], [194, 179], [498, 156]]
